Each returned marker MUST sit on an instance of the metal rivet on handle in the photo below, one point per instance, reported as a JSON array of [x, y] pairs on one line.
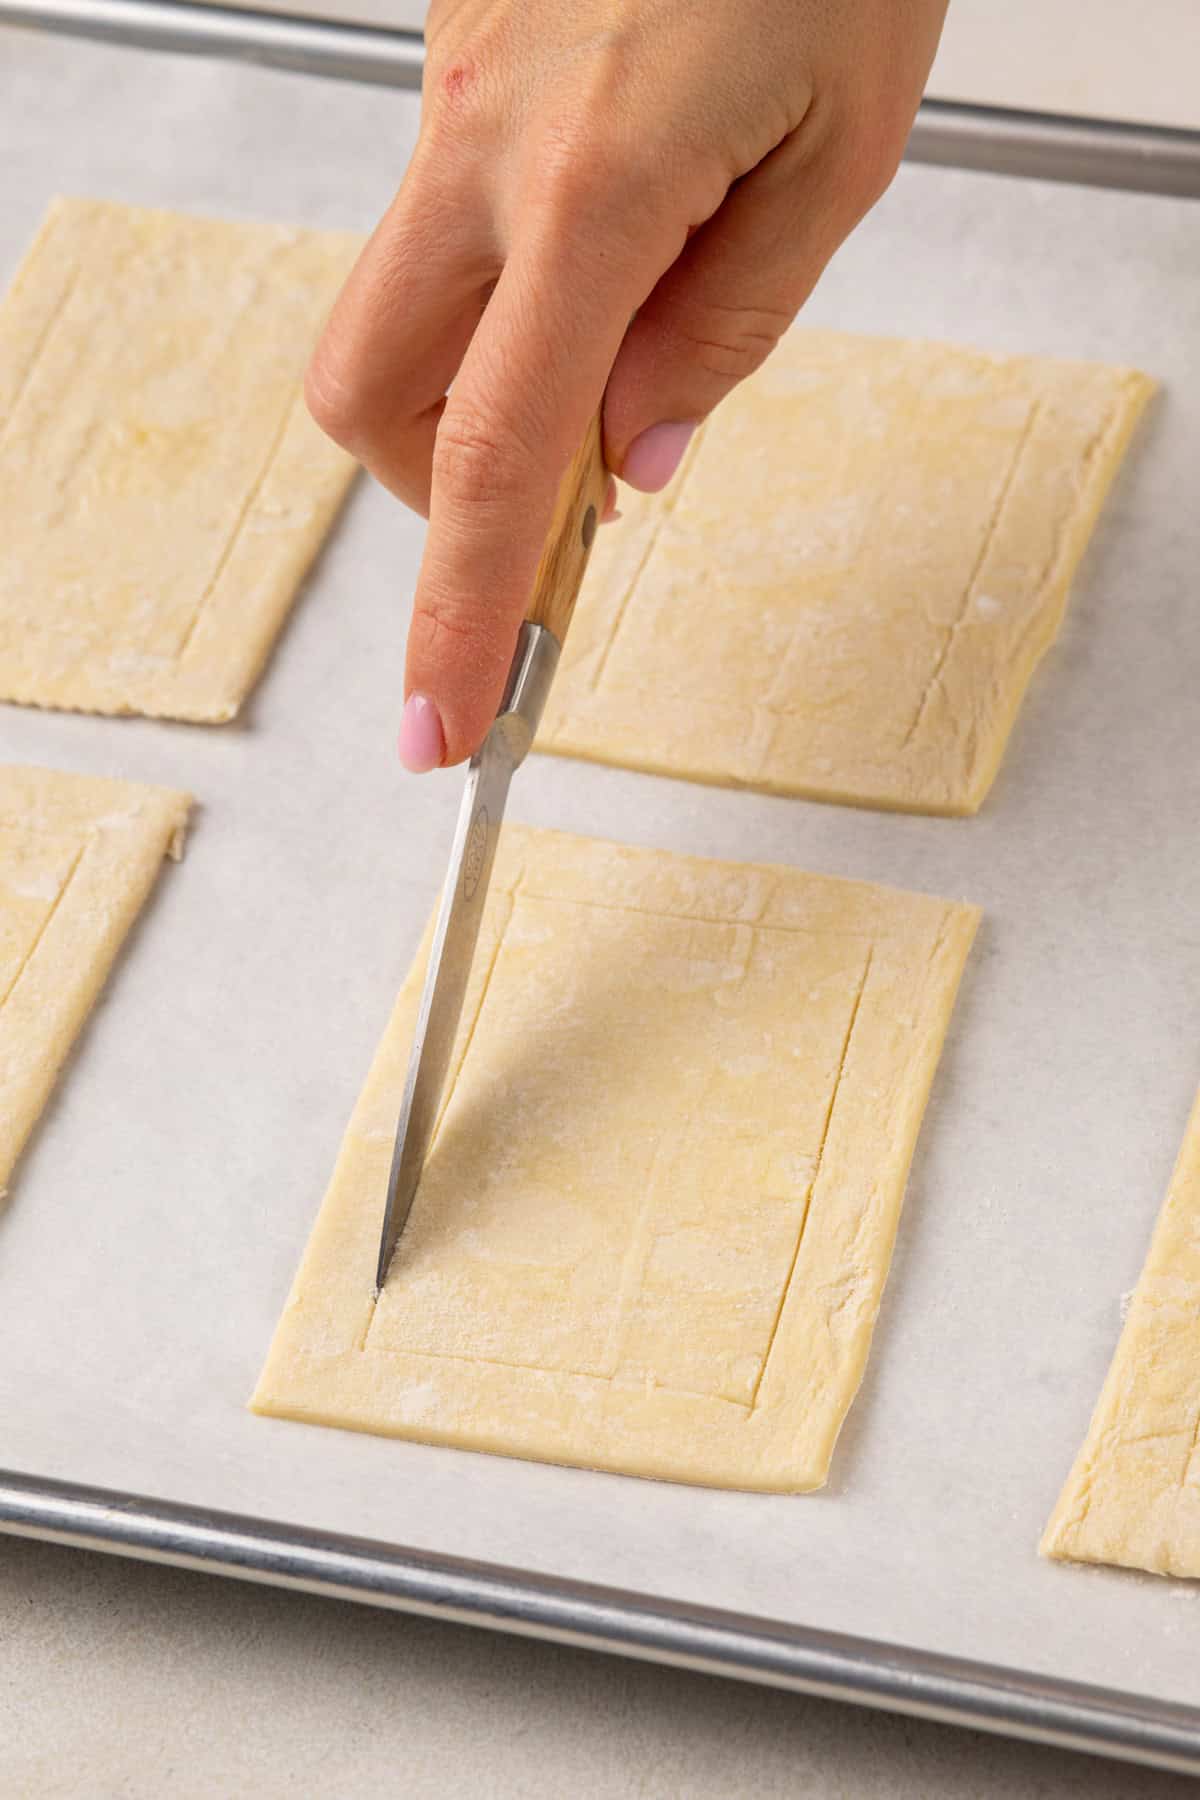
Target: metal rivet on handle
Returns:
[[589, 527]]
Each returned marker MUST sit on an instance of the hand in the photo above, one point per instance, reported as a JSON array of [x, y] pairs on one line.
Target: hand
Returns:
[[583, 164]]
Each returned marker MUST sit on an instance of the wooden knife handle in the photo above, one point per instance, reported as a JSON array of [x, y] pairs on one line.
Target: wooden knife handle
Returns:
[[576, 516]]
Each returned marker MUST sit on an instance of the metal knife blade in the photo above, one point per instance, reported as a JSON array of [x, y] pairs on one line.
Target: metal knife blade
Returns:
[[459, 915], [577, 511]]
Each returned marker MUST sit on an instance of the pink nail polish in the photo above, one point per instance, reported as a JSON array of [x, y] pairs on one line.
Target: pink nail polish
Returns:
[[653, 458], [422, 742]]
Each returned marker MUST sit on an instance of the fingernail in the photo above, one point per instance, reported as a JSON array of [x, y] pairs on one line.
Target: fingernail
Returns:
[[653, 458], [422, 741]]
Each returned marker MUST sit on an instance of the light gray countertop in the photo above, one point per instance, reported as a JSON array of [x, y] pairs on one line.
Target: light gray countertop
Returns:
[[120, 1680]]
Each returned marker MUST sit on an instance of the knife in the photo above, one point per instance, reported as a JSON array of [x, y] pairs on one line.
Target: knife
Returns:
[[577, 511]]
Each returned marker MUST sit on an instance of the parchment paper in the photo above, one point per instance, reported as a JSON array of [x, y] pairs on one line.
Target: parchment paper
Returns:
[[157, 1218]]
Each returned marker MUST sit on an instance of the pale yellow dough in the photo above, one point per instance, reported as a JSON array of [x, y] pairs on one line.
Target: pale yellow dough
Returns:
[[657, 1219], [162, 488], [1133, 1496], [845, 590], [78, 857]]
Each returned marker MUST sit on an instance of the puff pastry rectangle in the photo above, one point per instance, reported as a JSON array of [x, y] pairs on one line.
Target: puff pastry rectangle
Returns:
[[1133, 1495], [657, 1218], [162, 488], [78, 857], [847, 587]]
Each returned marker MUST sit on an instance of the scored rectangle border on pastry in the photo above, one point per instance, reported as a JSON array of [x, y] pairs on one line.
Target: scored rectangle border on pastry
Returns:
[[78, 856], [847, 587], [162, 488], [656, 1221], [1133, 1494]]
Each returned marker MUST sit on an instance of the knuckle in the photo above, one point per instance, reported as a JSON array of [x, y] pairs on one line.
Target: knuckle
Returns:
[[871, 153], [333, 398], [872, 176], [572, 164], [593, 184], [441, 627], [737, 341], [851, 145], [476, 461], [583, 163]]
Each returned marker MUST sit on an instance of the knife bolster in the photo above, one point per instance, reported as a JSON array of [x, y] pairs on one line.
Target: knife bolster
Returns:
[[529, 681]]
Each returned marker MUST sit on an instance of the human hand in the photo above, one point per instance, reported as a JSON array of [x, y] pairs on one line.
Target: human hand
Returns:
[[617, 199]]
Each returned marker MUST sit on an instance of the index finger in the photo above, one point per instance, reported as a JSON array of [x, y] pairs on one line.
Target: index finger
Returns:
[[531, 380]]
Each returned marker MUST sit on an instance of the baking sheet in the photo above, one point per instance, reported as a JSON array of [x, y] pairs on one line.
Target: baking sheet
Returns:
[[155, 1222]]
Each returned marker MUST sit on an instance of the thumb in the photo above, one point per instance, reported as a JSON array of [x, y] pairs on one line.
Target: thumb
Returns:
[[725, 302]]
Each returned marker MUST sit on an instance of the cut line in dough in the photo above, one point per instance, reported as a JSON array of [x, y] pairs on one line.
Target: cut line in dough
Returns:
[[1133, 1495], [845, 590], [78, 856], [162, 488], [656, 1221]]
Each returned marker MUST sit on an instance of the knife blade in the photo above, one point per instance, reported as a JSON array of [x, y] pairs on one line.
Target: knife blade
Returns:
[[556, 587]]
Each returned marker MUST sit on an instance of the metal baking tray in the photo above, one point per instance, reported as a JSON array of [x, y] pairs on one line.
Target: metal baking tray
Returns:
[[157, 1217]]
